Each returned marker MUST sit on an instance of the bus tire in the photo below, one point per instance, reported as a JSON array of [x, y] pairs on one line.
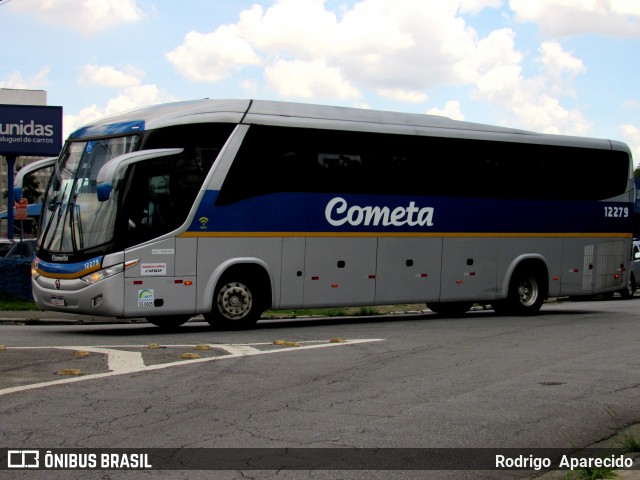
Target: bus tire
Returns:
[[168, 322], [628, 292], [236, 304], [450, 309], [526, 293]]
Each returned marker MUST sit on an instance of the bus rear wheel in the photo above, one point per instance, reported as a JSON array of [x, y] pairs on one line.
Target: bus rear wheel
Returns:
[[526, 294], [630, 289], [168, 322], [235, 305], [450, 309]]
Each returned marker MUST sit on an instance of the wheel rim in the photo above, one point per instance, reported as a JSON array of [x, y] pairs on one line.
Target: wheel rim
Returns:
[[235, 301], [528, 291]]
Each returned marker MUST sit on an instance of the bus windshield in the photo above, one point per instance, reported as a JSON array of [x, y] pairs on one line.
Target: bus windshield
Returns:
[[73, 218]]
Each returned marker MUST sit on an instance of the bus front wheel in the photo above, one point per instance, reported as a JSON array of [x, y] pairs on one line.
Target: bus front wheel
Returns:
[[235, 305], [525, 296]]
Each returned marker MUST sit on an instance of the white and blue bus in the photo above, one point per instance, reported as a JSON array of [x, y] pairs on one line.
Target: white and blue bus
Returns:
[[230, 207]]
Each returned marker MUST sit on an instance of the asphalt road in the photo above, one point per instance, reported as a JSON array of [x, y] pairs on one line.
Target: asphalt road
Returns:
[[570, 376]]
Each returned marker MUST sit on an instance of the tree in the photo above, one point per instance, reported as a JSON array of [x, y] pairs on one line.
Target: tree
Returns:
[[30, 189]]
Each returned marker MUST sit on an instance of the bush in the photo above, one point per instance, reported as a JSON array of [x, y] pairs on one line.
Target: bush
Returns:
[[15, 278]]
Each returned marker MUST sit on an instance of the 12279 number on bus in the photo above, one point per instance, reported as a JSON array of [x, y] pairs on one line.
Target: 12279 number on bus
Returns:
[[616, 212]]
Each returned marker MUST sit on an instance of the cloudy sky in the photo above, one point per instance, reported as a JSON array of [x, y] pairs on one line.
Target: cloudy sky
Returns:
[[557, 66]]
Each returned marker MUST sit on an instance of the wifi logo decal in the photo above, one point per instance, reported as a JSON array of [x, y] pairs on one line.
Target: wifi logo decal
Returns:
[[203, 223]]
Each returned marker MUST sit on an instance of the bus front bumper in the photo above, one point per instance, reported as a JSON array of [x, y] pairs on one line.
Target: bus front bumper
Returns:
[[104, 298]]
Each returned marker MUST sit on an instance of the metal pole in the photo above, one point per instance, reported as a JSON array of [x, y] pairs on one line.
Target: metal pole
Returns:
[[11, 161]]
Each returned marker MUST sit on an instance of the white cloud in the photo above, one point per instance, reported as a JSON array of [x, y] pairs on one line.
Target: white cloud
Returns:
[[631, 135], [107, 76], [451, 109], [301, 28], [414, 96], [35, 82], [211, 57], [249, 87], [86, 16], [397, 49], [631, 103], [130, 98], [496, 50], [475, 6], [626, 7], [546, 114], [423, 44], [534, 103], [72, 122], [617, 18], [410, 45], [558, 64], [137, 96], [309, 80]]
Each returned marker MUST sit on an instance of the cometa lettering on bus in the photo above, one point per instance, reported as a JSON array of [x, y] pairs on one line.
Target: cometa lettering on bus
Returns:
[[338, 212]]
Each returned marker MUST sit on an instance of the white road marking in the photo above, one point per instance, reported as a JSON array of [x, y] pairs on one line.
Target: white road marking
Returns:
[[118, 360], [122, 362], [238, 349]]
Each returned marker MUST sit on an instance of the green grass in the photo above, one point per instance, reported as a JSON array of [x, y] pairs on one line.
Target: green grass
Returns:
[[592, 474], [347, 311], [10, 303], [626, 442], [325, 312], [629, 443]]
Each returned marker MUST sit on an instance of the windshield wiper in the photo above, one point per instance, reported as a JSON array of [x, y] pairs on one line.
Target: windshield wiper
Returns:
[[58, 215], [75, 211], [52, 217]]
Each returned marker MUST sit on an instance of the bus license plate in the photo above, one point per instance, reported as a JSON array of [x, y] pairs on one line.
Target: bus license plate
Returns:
[[57, 301]]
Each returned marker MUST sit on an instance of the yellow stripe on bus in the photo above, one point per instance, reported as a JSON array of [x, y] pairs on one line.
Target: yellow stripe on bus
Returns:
[[406, 234]]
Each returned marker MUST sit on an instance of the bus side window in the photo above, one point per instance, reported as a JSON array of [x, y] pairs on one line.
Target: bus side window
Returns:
[[160, 195]]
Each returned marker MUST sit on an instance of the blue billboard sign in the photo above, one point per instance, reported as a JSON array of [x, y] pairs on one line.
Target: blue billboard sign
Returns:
[[28, 130]]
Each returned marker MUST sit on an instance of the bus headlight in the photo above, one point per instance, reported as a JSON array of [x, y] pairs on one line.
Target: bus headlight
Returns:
[[99, 275], [95, 277], [34, 268]]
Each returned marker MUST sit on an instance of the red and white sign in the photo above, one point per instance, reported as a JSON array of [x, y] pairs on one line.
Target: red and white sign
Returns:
[[21, 209], [153, 269]]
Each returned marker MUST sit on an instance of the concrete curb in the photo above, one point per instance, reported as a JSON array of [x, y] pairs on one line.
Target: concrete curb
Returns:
[[36, 317]]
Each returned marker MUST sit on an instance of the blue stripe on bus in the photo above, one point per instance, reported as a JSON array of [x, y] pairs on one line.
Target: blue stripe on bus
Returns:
[[111, 129], [67, 270], [306, 212]]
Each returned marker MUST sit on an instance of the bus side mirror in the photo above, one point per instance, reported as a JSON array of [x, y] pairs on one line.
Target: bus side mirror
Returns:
[[104, 192], [26, 170], [106, 175]]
